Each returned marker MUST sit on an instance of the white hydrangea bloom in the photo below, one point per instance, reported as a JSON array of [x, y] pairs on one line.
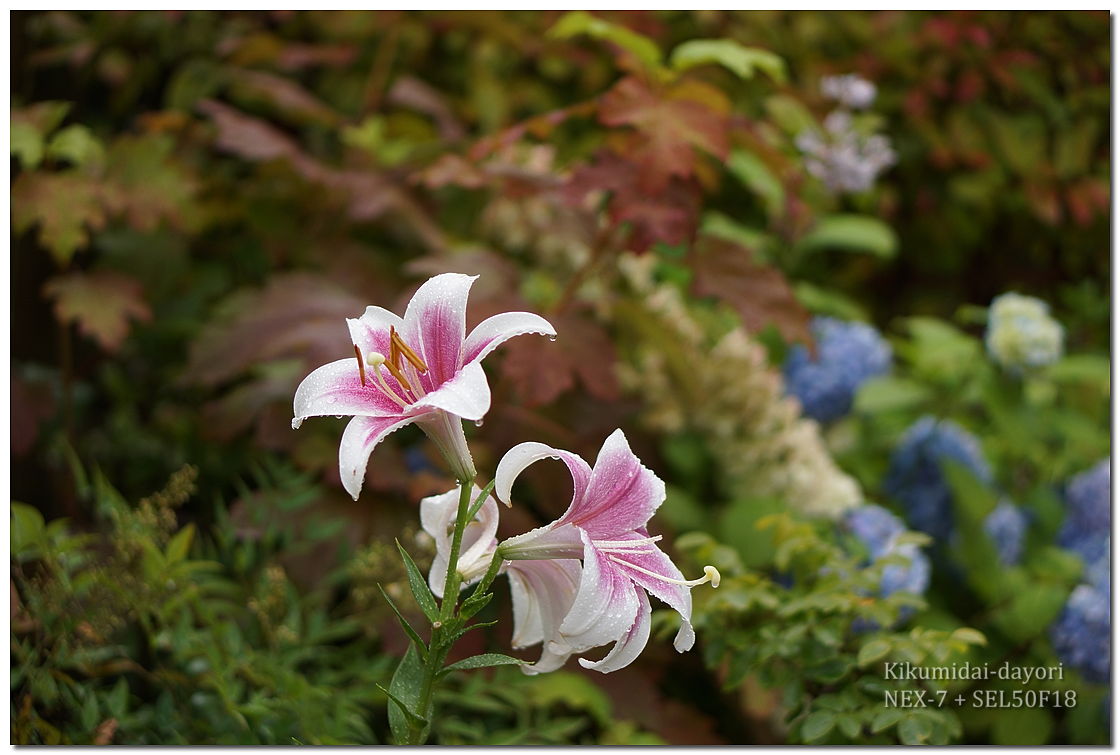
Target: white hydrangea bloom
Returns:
[[731, 393], [1021, 333]]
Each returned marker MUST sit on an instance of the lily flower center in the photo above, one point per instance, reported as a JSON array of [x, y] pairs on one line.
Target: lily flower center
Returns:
[[406, 373]]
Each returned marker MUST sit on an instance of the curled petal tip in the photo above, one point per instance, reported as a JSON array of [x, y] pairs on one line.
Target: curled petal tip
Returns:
[[296, 422]]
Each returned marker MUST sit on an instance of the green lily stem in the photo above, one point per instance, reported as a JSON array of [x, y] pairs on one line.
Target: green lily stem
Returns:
[[437, 649]]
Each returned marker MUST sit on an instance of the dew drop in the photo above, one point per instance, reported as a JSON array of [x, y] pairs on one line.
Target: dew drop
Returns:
[[478, 423], [338, 416], [332, 400], [552, 338]]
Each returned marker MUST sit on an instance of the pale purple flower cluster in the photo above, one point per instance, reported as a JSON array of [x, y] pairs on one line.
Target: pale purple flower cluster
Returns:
[[848, 353], [845, 159], [578, 583], [850, 90]]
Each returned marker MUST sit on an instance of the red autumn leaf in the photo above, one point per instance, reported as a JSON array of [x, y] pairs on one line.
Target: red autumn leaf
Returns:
[[101, 303], [411, 92], [671, 123], [368, 196], [759, 293], [282, 95], [295, 316], [669, 215], [541, 370]]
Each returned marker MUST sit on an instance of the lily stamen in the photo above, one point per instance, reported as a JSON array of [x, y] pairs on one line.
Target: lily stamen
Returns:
[[396, 372], [403, 349], [711, 574], [361, 365], [375, 361]]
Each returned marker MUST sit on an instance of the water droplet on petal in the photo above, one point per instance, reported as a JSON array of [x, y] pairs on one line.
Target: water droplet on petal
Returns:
[[332, 400], [478, 423], [338, 416], [552, 338]]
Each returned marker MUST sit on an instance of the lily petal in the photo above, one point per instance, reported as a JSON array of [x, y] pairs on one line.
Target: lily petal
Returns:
[[605, 606], [494, 331], [628, 647], [336, 389], [435, 324], [523, 454], [370, 332], [542, 593], [550, 541], [621, 495], [679, 597], [466, 395], [362, 434]]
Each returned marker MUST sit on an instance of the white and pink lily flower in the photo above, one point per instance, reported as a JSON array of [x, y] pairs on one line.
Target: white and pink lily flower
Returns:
[[543, 591], [605, 526], [437, 518], [421, 368]]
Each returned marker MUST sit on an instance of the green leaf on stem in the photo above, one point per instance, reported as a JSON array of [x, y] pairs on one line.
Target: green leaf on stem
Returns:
[[485, 660], [420, 590], [453, 637], [412, 633], [741, 60], [474, 604], [575, 23], [407, 725]]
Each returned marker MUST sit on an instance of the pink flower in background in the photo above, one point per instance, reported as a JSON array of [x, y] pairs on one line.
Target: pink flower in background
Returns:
[[605, 526], [421, 368]]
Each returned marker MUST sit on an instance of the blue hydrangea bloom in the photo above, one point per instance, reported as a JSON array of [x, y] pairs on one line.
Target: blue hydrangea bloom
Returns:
[[1088, 500], [1021, 333], [1082, 632], [1007, 526], [915, 478], [848, 353], [1088, 523], [879, 529]]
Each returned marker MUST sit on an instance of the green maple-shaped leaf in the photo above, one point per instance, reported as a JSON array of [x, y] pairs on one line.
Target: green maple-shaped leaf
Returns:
[[101, 303]]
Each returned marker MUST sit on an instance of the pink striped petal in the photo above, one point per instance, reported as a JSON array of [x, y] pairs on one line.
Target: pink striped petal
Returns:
[[523, 454], [336, 389], [621, 495], [362, 434], [678, 597], [370, 332], [630, 646], [466, 395], [494, 331], [605, 606], [435, 324]]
